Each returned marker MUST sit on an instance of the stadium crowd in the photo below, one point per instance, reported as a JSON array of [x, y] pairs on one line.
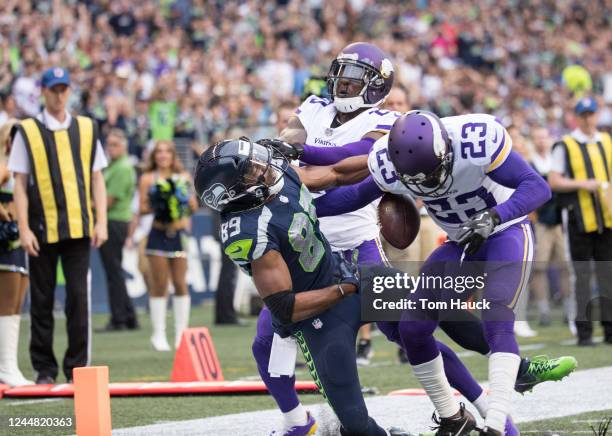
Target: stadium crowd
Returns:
[[207, 69], [162, 70]]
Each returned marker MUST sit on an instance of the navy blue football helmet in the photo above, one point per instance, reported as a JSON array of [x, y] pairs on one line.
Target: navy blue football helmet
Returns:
[[237, 174]]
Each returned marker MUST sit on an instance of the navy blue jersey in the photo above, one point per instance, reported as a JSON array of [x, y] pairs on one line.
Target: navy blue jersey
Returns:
[[287, 224]]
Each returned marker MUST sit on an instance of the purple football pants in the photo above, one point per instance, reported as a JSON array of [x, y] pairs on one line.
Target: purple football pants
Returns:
[[505, 260], [282, 388]]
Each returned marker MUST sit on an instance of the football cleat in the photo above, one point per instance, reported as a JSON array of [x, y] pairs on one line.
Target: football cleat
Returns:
[[364, 352], [455, 426], [307, 429], [541, 369]]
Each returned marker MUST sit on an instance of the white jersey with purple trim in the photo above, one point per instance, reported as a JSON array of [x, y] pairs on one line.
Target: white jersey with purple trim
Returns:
[[316, 115], [480, 144]]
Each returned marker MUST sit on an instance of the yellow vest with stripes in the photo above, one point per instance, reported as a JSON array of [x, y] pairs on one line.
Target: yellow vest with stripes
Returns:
[[589, 161], [59, 192]]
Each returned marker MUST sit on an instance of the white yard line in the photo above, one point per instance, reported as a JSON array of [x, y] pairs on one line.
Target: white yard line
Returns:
[[589, 392], [25, 402]]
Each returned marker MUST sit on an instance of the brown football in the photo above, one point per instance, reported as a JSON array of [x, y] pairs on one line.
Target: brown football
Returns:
[[399, 220]]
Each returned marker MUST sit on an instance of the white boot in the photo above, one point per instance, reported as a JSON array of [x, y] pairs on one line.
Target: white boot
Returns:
[[523, 330], [157, 306], [182, 306], [9, 339]]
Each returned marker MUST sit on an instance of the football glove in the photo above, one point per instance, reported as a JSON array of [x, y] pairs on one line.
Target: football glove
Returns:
[[290, 151], [477, 229], [347, 272]]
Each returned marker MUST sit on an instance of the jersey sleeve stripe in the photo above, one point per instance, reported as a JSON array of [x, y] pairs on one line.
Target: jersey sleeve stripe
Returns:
[[384, 126], [384, 132], [501, 153], [262, 232]]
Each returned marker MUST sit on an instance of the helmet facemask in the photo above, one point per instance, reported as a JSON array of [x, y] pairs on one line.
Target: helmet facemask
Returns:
[[262, 171], [435, 184], [253, 174], [348, 83]]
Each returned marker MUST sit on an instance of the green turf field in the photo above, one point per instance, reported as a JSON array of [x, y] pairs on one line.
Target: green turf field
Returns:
[[131, 358]]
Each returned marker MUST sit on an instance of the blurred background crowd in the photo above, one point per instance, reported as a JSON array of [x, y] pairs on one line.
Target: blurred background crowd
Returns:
[[204, 70], [197, 71]]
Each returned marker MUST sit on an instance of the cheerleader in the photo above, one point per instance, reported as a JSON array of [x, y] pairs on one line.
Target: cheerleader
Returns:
[[165, 191], [13, 270]]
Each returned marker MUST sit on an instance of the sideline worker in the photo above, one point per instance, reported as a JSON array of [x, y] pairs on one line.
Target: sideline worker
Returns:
[[57, 160]]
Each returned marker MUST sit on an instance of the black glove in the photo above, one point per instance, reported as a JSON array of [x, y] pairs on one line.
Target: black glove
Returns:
[[290, 151], [475, 231], [347, 272]]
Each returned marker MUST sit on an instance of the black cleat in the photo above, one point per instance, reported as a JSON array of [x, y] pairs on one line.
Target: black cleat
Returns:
[[45, 380], [455, 426], [364, 352]]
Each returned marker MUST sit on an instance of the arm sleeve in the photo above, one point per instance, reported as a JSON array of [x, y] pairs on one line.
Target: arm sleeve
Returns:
[[330, 155], [347, 198], [100, 161], [19, 161], [558, 159], [531, 190]]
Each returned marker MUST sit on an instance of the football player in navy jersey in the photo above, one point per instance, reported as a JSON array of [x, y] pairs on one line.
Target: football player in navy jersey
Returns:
[[269, 228], [358, 83]]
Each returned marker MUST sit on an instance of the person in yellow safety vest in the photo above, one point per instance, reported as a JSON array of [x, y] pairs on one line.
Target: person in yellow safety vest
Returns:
[[581, 168]]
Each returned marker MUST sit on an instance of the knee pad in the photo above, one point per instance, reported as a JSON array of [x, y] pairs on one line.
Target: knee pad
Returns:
[[337, 364]]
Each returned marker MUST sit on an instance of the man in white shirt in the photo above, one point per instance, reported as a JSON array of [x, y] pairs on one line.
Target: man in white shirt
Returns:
[[580, 172], [57, 160]]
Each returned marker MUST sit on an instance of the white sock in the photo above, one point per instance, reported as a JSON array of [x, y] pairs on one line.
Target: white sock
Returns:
[[432, 378], [181, 305], [9, 341], [482, 404], [158, 305], [6, 343], [295, 416], [503, 368]]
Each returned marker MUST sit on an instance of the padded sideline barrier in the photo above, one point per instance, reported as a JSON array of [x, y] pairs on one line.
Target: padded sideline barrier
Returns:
[[157, 388]]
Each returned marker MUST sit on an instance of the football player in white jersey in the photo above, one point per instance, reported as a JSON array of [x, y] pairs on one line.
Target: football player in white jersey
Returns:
[[359, 80], [479, 191]]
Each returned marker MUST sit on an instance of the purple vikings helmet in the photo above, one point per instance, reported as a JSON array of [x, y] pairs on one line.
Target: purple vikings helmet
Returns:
[[421, 152], [361, 76]]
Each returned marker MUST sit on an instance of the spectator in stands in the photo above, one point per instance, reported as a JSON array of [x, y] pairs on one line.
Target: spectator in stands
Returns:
[[550, 249], [442, 57], [579, 174], [166, 191], [13, 269], [120, 179]]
